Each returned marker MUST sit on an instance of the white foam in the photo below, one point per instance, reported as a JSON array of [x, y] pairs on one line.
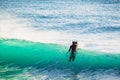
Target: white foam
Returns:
[[12, 27], [17, 28]]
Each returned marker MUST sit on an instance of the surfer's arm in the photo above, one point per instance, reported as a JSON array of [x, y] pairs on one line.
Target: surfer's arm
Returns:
[[70, 48]]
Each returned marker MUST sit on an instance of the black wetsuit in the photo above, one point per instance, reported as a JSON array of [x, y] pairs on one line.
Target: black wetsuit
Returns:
[[73, 52]]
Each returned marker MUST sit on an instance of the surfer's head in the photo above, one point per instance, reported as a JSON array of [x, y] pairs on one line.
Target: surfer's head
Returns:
[[76, 42], [73, 42]]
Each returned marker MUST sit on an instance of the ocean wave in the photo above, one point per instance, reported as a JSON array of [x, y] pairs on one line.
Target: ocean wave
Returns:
[[32, 54]]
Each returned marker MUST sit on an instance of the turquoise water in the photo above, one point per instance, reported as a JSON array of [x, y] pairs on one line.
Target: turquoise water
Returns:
[[20, 57]]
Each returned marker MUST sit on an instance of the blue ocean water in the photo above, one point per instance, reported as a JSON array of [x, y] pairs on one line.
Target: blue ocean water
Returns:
[[90, 22], [95, 24]]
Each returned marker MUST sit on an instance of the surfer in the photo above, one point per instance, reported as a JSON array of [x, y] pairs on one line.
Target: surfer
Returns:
[[73, 49]]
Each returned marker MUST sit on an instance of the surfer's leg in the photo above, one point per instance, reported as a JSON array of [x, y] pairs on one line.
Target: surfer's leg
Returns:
[[73, 57]]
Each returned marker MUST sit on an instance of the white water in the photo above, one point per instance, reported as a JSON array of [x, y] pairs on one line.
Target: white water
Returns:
[[19, 28]]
